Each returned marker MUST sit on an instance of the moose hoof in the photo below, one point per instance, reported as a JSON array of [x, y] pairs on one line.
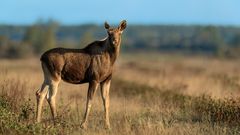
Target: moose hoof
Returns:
[[107, 126], [37, 121], [84, 125]]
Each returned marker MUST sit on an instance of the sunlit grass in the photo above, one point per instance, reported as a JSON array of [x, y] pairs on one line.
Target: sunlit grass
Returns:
[[135, 108]]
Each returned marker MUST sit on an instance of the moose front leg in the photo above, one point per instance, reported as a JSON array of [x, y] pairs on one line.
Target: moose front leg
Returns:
[[105, 86], [91, 90]]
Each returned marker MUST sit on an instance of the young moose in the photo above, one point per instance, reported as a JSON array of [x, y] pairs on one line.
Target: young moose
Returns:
[[92, 64]]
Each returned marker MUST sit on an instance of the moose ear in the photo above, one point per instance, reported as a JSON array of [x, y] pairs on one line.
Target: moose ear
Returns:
[[106, 25], [122, 25]]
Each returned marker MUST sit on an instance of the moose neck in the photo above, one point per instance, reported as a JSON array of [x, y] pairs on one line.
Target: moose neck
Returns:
[[113, 50]]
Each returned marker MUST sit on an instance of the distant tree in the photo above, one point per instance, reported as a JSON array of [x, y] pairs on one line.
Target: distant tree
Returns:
[[236, 40], [49, 37], [34, 37], [3, 41], [86, 38], [233, 49], [208, 39], [3, 45], [41, 36]]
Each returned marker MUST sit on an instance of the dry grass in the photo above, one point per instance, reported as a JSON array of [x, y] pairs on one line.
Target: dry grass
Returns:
[[153, 95], [196, 76]]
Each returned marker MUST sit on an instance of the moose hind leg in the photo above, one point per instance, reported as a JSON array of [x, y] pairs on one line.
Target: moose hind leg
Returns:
[[40, 95], [51, 98]]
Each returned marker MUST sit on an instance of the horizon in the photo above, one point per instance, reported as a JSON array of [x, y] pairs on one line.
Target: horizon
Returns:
[[115, 24], [136, 12]]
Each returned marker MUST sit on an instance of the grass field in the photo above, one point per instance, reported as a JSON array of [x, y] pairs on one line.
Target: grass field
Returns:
[[150, 94]]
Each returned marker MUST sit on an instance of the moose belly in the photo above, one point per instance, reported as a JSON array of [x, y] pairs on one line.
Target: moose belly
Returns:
[[80, 77], [73, 76]]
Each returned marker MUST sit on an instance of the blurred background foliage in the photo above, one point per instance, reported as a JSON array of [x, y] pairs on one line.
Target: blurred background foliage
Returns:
[[24, 41]]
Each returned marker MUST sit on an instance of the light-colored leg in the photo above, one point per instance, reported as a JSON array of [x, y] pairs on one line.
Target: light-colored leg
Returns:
[[51, 98], [91, 90], [40, 95], [105, 87]]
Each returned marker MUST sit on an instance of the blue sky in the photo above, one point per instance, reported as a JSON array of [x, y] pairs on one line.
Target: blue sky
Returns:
[[217, 12]]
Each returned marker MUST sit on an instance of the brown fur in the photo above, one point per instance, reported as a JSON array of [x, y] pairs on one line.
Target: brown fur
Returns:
[[92, 64], [95, 62]]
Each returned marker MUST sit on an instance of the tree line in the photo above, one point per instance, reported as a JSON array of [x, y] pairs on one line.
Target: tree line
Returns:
[[23, 41]]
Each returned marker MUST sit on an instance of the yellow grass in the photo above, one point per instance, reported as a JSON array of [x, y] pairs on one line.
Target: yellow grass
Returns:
[[218, 78], [150, 94]]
